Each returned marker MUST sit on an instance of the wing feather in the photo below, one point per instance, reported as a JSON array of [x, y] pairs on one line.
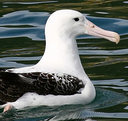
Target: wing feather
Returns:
[[13, 86]]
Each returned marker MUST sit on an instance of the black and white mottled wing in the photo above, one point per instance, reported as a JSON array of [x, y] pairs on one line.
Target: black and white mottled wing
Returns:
[[13, 86]]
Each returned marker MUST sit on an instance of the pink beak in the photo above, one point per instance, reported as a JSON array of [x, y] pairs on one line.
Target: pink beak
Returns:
[[94, 30]]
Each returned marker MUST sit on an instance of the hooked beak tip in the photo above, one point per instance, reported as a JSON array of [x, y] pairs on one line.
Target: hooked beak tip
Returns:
[[114, 37], [117, 38]]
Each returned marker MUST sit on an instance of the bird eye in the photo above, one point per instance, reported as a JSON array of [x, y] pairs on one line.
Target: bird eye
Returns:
[[76, 19]]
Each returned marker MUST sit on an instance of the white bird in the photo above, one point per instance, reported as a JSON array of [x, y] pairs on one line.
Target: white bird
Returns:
[[58, 78]]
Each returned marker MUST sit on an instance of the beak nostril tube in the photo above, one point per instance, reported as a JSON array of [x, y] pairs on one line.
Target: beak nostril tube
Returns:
[[92, 25]]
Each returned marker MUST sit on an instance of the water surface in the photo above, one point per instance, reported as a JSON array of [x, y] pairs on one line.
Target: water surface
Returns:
[[22, 43]]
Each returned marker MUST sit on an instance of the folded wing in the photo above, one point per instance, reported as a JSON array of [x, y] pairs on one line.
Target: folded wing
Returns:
[[14, 85]]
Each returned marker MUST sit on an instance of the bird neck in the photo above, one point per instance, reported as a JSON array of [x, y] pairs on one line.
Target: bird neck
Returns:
[[61, 56]]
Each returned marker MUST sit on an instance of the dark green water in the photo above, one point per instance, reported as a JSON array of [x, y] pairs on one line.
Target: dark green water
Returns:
[[22, 43]]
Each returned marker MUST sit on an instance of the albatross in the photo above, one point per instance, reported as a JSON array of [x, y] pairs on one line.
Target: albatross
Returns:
[[58, 78]]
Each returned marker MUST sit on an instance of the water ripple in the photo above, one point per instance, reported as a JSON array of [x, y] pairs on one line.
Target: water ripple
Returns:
[[10, 25], [38, 19], [29, 3], [104, 52]]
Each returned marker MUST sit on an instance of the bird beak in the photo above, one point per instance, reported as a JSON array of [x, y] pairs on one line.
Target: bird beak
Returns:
[[94, 30]]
